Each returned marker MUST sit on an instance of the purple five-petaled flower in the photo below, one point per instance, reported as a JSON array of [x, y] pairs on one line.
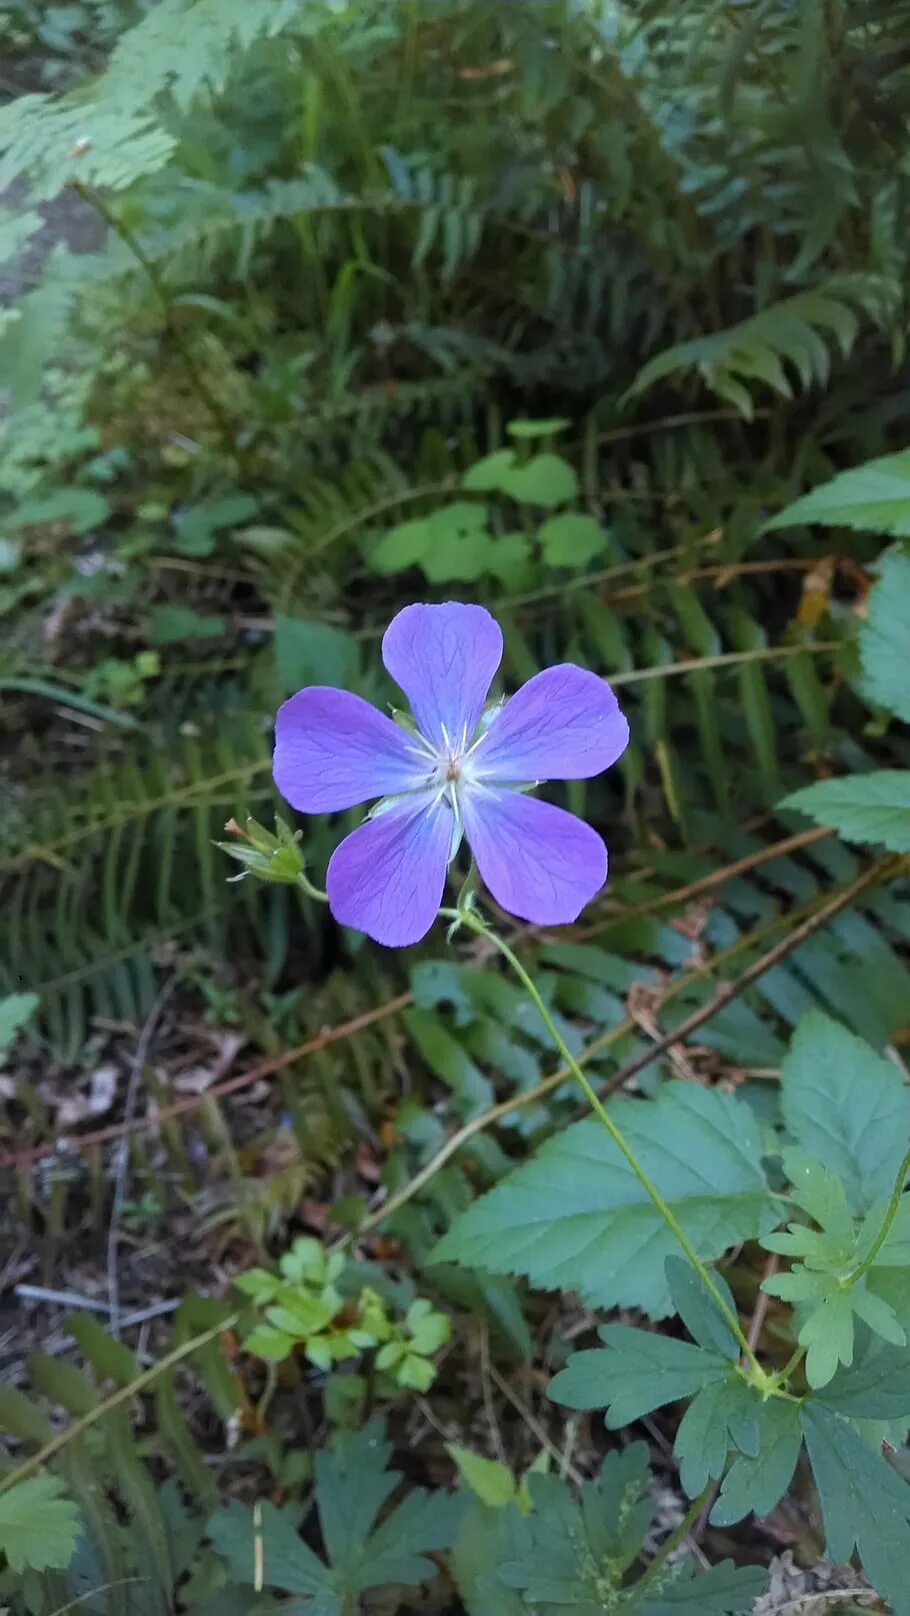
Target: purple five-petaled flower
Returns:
[[461, 772]]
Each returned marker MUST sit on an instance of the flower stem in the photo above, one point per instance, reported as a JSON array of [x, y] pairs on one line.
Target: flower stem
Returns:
[[891, 1212], [475, 923]]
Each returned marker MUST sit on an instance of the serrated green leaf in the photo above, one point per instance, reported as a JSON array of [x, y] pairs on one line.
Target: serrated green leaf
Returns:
[[885, 637], [870, 808], [577, 1217], [39, 1525], [757, 1481], [871, 498], [846, 1105], [864, 1502], [635, 1372]]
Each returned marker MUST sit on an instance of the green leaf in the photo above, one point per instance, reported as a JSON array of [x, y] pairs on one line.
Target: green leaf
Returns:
[[573, 1554], [847, 1105], [491, 1481], [352, 1485], [698, 1309], [635, 1372], [571, 539], [487, 1540], [569, 1558], [864, 1502], [39, 1525], [723, 1590], [312, 653], [80, 509], [286, 1560], [872, 498], [459, 543], [885, 636], [869, 808], [827, 1335], [722, 1416], [171, 625], [16, 1009], [402, 547], [877, 1387], [757, 1481], [486, 475], [545, 479], [577, 1217]]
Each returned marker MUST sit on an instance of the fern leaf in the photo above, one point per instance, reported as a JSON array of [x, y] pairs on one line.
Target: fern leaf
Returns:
[[789, 334], [187, 47]]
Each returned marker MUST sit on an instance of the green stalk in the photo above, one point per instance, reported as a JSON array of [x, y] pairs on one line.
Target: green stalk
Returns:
[[475, 923], [890, 1214]]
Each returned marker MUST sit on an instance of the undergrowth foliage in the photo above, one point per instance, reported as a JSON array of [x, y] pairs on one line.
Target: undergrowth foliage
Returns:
[[593, 313]]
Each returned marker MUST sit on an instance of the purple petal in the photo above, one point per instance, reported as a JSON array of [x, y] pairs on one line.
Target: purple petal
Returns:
[[539, 862], [388, 876], [333, 750], [444, 658], [564, 724]]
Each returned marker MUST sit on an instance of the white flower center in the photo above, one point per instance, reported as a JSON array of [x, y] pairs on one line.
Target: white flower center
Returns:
[[450, 765]]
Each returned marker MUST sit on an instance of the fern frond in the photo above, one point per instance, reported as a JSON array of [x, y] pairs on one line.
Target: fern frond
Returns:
[[187, 47], [56, 144], [87, 894], [787, 334]]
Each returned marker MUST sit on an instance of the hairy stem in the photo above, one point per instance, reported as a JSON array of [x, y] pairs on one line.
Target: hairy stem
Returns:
[[474, 922]]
